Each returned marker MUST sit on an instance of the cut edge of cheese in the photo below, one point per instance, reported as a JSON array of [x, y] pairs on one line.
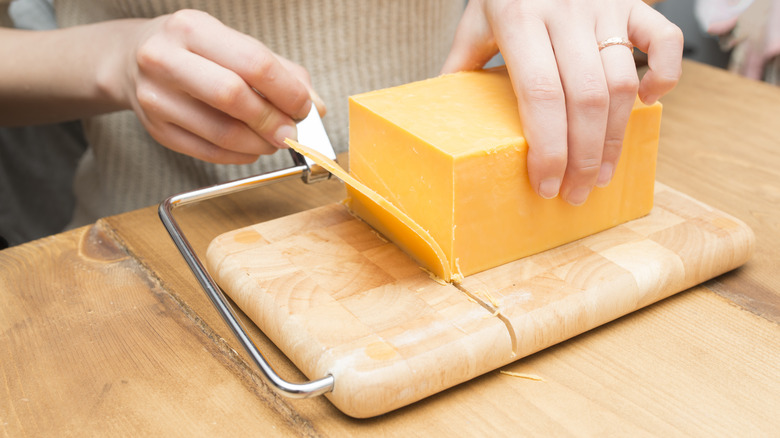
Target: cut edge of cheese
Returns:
[[413, 239]]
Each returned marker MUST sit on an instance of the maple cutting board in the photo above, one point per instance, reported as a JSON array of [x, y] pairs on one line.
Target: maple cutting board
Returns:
[[339, 299]]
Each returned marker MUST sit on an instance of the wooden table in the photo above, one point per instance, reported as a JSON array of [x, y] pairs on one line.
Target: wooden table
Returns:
[[104, 330]]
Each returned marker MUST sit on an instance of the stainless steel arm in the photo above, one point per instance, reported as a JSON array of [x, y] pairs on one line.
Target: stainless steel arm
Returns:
[[310, 132], [294, 390]]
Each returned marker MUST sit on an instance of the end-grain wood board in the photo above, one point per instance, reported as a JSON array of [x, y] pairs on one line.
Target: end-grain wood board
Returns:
[[339, 299]]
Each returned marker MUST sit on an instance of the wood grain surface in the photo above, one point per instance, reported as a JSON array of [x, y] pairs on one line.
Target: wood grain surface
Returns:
[[720, 143], [340, 299], [73, 366], [700, 363]]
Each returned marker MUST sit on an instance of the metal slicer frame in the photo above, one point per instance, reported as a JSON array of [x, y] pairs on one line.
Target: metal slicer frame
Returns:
[[310, 132]]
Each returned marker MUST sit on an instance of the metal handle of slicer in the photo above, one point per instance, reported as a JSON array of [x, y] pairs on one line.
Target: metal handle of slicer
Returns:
[[310, 132]]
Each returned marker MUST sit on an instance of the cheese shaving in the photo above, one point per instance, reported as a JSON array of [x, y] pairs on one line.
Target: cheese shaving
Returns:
[[523, 375], [389, 219]]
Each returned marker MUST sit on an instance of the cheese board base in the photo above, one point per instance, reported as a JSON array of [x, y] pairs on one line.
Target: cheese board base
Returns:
[[337, 298]]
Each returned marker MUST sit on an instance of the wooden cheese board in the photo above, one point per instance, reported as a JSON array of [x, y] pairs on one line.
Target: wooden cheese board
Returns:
[[337, 298]]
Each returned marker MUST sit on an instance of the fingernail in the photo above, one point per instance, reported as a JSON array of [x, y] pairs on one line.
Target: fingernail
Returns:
[[605, 175], [304, 115], [578, 196], [549, 188], [318, 102], [285, 131], [650, 99]]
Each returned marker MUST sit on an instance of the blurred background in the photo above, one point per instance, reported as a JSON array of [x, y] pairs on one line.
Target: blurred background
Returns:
[[699, 45]]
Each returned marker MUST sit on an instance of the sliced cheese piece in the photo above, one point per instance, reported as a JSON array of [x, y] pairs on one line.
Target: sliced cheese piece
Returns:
[[449, 153], [386, 217]]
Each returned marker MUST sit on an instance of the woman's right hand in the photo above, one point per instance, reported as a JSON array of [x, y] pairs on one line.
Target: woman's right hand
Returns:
[[205, 90]]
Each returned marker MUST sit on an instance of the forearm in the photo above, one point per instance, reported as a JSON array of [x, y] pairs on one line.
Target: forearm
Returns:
[[64, 74]]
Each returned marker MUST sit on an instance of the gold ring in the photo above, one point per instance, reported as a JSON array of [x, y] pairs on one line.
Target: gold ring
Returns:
[[616, 41]]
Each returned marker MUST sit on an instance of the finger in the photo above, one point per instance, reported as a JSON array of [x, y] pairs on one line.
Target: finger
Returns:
[[303, 75], [184, 142], [587, 104], [219, 88], [622, 83], [473, 45], [245, 56], [540, 97], [663, 42], [162, 107]]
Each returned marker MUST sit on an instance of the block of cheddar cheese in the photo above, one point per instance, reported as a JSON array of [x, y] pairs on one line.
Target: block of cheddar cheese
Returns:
[[449, 152]]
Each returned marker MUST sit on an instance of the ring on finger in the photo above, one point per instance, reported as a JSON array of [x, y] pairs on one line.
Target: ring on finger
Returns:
[[616, 41]]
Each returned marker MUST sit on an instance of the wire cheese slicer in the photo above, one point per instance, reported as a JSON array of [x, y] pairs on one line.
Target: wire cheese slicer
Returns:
[[310, 132]]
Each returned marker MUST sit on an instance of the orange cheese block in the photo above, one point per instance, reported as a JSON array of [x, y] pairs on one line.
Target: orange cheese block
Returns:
[[449, 152]]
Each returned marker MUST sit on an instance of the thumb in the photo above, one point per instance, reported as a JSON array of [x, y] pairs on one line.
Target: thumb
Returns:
[[474, 44]]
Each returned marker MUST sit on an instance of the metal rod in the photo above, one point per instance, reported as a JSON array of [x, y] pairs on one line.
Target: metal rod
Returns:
[[289, 389]]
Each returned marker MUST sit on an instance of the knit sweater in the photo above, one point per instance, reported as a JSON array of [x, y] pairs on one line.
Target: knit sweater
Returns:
[[348, 47]]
